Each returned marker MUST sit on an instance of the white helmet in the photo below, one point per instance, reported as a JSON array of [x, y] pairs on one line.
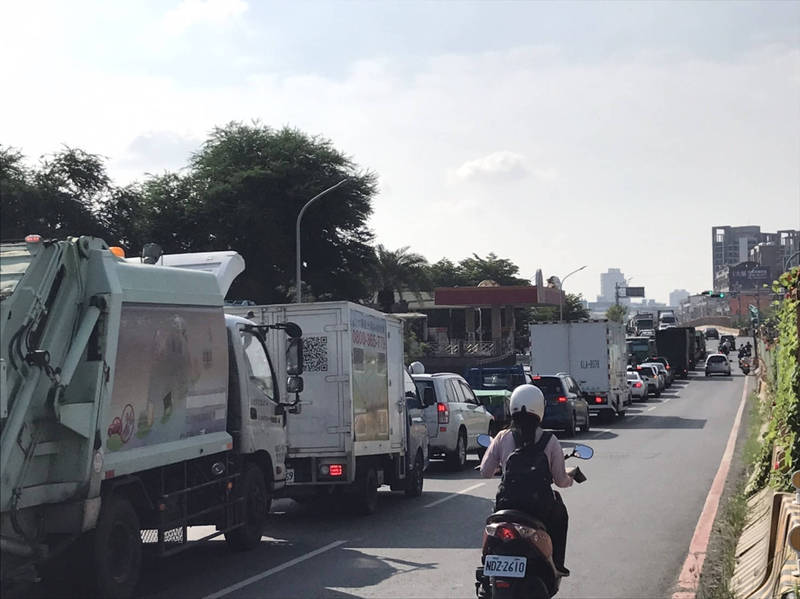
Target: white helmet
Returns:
[[528, 397]]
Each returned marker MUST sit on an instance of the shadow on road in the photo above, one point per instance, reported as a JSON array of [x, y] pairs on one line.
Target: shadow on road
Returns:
[[660, 422]]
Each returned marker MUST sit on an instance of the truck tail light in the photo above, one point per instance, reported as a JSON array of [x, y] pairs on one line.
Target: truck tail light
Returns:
[[599, 399], [444, 413]]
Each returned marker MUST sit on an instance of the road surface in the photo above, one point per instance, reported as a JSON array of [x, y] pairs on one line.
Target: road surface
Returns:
[[630, 523]]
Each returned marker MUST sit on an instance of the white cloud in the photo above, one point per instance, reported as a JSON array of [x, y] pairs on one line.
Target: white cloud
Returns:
[[502, 165], [194, 12]]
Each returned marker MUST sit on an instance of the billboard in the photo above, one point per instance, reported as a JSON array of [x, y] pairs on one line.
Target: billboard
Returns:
[[631, 292], [748, 275]]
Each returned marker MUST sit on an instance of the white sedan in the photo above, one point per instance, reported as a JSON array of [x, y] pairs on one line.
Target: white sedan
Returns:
[[718, 364], [637, 386]]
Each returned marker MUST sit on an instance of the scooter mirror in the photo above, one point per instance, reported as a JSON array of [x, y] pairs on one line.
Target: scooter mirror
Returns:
[[583, 452], [484, 440]]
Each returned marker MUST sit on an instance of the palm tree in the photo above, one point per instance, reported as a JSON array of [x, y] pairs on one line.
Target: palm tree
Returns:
[[396, 270]]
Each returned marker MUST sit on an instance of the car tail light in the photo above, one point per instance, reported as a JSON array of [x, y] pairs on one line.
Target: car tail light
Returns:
[[444, 413], [598, 399], [562, 399], [537, 378], [33, 238], [668, 368], [637, 385]]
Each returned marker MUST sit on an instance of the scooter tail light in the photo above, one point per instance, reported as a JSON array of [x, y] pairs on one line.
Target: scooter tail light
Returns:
[[502, 531]]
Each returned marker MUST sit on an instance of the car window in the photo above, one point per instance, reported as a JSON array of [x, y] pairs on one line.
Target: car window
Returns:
[[259, 367], [468, 394], [422, 386], [573, 386], [453, 393], [716, 359], [550, 386]]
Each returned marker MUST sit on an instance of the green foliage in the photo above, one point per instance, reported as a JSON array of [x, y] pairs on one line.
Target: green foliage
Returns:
[[573, 310], [783, 432], [60, 197], [617, 313], [396, 270], [469, 272], [413, 348]]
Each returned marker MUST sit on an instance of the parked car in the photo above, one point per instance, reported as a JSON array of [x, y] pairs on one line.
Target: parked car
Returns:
[[637, 385], [453, 415], [566, 408], [665, 362], [661, 372], [712, 333], [731, 339], [650, 375], [717, 364]]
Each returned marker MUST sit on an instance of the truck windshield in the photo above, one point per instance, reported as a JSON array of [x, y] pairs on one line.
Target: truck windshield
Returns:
[[260, 367], [638, 346], [668, 319], [644, 324], [14, 261]]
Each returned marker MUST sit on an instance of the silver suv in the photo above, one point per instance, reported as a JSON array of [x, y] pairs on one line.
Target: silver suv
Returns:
[[453, 415]]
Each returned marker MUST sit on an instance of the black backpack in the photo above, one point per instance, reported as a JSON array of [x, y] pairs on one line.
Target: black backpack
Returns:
[[526, 481]]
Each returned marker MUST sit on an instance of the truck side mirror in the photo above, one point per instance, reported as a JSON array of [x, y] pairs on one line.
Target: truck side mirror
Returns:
[[294, 384], [294, 356], [428, 397]]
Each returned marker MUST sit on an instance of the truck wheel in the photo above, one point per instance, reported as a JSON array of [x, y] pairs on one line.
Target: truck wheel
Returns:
[[117, 549], [257, 501], [415, 479], [458, 459], [367, 499]]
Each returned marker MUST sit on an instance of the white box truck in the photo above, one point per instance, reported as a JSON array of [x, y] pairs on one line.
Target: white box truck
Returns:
[[351, 433], [593, 352]]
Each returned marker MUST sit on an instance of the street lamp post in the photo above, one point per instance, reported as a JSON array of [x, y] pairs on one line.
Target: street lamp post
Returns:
[[297, 279], [561, 297], [788, 261]]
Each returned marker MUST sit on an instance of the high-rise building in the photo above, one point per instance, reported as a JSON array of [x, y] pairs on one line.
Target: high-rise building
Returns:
[[608, 281], [732, 245], [677, 296]]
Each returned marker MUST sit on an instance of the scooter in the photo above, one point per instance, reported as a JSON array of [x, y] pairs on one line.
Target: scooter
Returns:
[[517, 552], [744, 364]]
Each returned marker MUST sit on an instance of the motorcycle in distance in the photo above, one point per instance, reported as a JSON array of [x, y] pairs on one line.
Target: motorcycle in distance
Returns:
[[517, 552], [744, 364]]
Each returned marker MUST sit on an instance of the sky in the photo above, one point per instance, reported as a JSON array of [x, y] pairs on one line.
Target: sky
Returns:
[[557, 135]]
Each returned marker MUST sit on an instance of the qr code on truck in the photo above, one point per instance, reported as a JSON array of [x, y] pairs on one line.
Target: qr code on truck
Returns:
[[315, 354]]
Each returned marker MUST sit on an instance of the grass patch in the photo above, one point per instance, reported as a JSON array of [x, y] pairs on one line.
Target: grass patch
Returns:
[[718, 569]]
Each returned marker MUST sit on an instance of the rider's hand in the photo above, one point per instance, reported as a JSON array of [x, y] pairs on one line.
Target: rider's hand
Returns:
[[571, 471]]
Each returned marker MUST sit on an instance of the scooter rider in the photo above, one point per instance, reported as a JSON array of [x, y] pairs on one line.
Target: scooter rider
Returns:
[[527, 410]]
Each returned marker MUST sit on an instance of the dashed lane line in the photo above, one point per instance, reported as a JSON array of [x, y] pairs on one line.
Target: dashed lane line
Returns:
[[456, 494], [292, 562]]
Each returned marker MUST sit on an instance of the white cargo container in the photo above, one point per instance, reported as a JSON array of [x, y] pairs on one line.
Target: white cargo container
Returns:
[[349, 433], [592, 352]]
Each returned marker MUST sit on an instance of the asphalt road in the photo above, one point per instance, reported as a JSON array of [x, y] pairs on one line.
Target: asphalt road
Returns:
[[630, 523]]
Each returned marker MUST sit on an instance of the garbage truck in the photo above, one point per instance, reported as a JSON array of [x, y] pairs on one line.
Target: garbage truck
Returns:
[[132, 408], [352, 432]]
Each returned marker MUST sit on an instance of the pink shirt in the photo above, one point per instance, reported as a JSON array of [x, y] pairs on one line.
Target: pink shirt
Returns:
[[503, 445]]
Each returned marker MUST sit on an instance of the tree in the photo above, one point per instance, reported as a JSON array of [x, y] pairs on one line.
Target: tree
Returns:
[[501, 270], [396, 270], [60, 197], [573, 310], [445, 273], [617, 313], [249, 183]]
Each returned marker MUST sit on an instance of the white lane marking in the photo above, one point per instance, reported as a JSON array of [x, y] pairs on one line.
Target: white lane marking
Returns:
[[601, 432], [651, 409], [456, 494], [292, 562]]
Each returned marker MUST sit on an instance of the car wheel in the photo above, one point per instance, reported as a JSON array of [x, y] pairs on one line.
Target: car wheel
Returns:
[[458, 458], [708, 373], [657, 394], [570, 428], [587, 426]]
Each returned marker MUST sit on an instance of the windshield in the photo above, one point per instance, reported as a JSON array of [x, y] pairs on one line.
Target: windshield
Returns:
[[14, 261], [637, 346], [667, 319], [645, 324]]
